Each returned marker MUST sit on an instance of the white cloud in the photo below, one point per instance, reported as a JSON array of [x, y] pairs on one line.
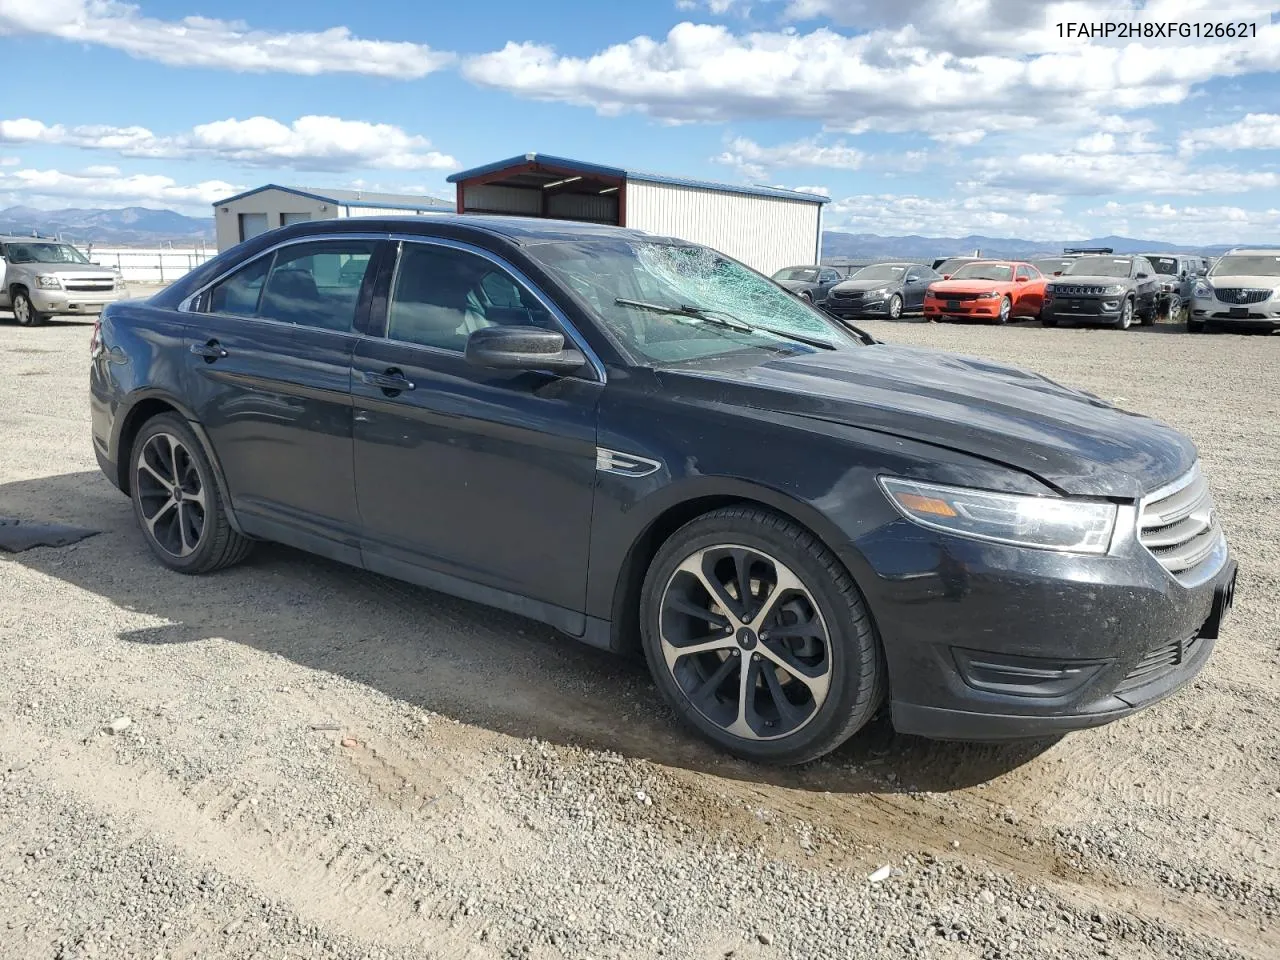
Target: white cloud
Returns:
[[914, 73], [1096, 172], [717, 7], [220, 44], [308, 143], [10, 161], [961, 138], [1031, 217], [1254, 131], [109, 185], [1192, 224], [754, 160]]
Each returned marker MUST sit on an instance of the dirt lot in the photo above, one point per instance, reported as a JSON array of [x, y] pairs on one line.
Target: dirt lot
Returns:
[[323, 763]]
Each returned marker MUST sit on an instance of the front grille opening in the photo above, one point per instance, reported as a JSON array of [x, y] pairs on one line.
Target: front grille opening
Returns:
[[1161, 661]]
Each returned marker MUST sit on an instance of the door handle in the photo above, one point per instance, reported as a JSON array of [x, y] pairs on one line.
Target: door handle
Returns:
[[391, 382], [211, 351]]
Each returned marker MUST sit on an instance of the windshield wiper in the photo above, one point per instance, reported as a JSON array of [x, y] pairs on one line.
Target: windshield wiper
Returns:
[[722, 318]]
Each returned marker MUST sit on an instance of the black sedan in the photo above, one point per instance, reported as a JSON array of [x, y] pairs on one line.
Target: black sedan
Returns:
[[808, 283], [881, 290], [653, 448]]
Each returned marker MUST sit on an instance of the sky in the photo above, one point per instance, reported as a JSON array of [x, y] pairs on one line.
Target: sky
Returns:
[[933, 117]]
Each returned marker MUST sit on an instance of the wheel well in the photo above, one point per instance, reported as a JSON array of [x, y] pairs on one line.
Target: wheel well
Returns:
[[15, 287], [626, 597], [139, 414]]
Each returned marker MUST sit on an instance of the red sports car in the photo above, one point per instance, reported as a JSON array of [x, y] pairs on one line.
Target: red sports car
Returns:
[[996, 290]]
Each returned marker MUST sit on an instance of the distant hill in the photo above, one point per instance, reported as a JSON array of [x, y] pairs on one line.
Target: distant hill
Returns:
[[127, 225], [863, 245]]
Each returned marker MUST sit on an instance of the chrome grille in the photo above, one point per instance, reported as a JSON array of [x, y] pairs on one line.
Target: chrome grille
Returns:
[[1179, 525], [1077, 290], [1241, 295], [89, 286]]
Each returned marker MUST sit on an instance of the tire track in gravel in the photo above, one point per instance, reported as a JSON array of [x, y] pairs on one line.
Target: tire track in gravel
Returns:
[[326, 881]]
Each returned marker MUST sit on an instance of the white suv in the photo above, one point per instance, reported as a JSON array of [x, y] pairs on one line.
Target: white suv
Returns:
[[44, 278], [1242, 288]]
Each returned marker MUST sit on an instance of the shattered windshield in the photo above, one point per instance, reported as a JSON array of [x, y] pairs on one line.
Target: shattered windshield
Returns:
[[677, 276], [44, 253]]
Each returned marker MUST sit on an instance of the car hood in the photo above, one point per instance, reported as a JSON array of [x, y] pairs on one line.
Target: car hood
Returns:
[[1069, 439], [1086, 280], [64, 269], [867, 284], [797, 284], [1256, 282], [970, 286]]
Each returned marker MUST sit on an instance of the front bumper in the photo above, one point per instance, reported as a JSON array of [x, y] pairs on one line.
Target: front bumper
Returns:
[[73, 302], [987, 309], [990, 642], [1092, 309], [849, 309], [1209, 310]]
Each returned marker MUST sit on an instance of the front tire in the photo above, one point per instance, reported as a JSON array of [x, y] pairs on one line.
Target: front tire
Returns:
[[24, 310], [758, 638], [1126, 316], [1006, 311], [177, 501], [895, 307]]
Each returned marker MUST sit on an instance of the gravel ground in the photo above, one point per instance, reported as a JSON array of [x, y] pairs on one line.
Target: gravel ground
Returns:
[[297, 759]]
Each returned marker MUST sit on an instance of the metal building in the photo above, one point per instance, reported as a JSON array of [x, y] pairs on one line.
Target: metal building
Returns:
[[765, 227], [264, 208]]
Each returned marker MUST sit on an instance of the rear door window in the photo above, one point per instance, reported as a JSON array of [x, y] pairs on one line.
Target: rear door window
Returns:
[[238, 294]]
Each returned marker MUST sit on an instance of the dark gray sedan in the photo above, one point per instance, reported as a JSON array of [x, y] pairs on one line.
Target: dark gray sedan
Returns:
[[881, 290], [809, 283]]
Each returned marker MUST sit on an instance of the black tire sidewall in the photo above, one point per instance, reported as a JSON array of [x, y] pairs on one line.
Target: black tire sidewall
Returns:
[[198, 558], [846, 641]]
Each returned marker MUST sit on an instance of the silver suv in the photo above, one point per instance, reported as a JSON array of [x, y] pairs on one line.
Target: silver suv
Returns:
[[43, 278], [1241, 289]]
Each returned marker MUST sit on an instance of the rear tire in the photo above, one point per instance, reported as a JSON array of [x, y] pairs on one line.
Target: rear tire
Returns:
[[24, 310], [177, 501], [786, 675]]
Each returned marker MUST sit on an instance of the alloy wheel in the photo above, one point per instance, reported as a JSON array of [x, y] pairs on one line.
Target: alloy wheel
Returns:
[[22, 310], [895, 307], [744, 640], [1126, 315], [1006, 308], [171, 494]]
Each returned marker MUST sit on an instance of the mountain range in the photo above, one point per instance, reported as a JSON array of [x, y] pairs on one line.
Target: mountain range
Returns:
[[137, 226], [836, 245], [144, 226]]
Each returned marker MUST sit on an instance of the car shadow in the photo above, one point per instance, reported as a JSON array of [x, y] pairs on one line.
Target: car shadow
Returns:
[[468, 662]]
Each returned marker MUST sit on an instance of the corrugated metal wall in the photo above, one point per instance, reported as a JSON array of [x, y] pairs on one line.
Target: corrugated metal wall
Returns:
[[575, 206], [766, 233], [490, 197]]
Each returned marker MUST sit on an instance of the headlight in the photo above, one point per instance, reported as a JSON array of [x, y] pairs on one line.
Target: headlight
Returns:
[[1114, 290], [882, 292], [990, 295], [48, 283], [1048, 523], [1204, 290]]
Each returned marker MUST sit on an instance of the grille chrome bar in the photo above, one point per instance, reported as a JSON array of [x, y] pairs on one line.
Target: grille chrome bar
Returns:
[[1242, 294], [1179, 526]]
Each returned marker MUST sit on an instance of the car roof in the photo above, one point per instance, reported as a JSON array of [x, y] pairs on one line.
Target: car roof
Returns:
[[1254, 252], [6, 238], [520, 230]]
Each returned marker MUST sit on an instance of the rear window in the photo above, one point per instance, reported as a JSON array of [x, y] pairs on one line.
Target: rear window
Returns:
[[1165, 265]]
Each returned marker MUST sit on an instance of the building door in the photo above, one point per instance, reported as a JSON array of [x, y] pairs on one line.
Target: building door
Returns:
[[252, 224], [288, 218]]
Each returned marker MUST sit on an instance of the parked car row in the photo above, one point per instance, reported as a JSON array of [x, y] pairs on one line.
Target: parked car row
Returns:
[[1094, 286]]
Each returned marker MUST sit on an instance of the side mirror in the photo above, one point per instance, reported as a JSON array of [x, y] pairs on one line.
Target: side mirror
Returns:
[[522, 348], [1057, 273], [946, 276], [1144, 276]]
